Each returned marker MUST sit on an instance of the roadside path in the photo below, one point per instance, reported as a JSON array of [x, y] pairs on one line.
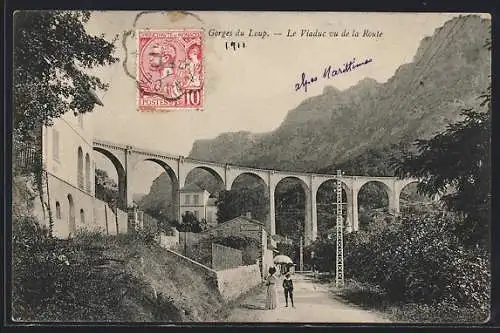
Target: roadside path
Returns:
[[314, 303]]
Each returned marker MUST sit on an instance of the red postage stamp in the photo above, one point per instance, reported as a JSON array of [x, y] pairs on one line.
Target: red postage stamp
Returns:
[[170, 73]]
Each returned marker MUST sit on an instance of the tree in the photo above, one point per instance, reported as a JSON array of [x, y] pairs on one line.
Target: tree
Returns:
[[237, 202], [106, 188], [52, 56], [458, 157], [190, 223]]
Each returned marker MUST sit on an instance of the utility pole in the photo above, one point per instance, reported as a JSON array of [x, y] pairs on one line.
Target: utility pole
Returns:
[[301, 255], [339, 277], [185, 242]]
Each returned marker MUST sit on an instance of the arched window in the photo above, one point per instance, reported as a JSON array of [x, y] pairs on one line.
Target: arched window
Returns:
[[87, 172], [82, 216], [80, 167], [58, 210], [71, 215]]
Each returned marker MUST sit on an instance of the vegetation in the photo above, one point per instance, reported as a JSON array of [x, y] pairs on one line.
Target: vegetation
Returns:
[[106, 188], [89, 277], [431, 264], [190, 223], [52, 53], [237, 202], [104, 278], [458, 157], [418, 259]]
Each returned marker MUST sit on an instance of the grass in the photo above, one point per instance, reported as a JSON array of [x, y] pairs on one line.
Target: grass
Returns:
[[193, 295], [371, 297], [112, 279]]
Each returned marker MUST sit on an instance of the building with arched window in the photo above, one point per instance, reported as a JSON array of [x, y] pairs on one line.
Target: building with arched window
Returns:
[[82, 217], [80, 168], [88, 180], [58, 210], [68, 158]]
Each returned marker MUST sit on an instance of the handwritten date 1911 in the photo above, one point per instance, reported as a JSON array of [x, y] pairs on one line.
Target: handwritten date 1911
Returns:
[[305, 82]]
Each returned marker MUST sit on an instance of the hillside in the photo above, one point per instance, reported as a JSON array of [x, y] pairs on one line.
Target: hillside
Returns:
[[110, 279], [449, 71], [226, 147]]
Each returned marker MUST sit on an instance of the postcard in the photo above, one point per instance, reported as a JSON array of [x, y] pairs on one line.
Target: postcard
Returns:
[[251, 167]]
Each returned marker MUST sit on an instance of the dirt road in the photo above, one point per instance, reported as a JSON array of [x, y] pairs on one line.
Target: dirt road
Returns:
[[314, 303]]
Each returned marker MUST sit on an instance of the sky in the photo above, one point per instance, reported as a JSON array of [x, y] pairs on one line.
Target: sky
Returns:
[[252, 88]]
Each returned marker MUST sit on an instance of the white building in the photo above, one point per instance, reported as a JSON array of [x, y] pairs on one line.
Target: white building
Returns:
[[68, 158], [199, 203]]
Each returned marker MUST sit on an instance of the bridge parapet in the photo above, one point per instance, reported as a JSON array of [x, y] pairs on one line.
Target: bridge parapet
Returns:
[[134, 149], [125, 157], [207, 163], [109, 145]]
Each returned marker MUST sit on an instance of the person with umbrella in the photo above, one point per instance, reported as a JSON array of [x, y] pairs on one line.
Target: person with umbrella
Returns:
[[283, 261]]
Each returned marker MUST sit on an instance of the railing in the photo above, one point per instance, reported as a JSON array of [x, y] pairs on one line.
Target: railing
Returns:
[[154, 153], [25, 158]]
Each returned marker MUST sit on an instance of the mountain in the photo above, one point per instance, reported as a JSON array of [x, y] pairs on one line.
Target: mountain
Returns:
[[136, 197], [359, 127], [225, 148], [449, 70]]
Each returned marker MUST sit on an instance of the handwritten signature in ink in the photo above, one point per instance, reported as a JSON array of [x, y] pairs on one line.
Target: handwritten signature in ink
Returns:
[[330, 72]]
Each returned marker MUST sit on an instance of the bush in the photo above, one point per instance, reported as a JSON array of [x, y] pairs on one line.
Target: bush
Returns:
[[373, 297], [249, 246], [66, 280], [420, 258]]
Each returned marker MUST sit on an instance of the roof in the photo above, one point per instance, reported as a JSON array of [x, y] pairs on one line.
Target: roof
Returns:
[[247, 219], [237, 219]]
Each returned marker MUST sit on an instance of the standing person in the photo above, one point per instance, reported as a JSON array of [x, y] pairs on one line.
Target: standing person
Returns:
[[271, 299], [288, 288]]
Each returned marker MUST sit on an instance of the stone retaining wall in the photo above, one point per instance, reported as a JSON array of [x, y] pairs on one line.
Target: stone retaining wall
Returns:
[[234, 282]]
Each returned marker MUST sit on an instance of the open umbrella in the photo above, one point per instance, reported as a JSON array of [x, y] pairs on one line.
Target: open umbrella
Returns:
[[282, 259]]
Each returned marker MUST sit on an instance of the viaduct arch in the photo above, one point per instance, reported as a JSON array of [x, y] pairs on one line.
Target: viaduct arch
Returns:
[[126, 157]]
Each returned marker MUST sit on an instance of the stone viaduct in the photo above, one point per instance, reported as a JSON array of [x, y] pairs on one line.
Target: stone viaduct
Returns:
[[125, 158]]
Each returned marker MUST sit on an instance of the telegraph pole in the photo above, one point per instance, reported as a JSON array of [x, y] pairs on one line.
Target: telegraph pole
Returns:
[[301, 255], [339, 277]]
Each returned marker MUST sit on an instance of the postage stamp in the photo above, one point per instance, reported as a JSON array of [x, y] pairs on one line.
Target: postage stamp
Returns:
[[170, 73]]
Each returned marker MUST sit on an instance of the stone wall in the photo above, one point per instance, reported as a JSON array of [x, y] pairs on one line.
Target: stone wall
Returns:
[[122, 222], [205, 271], [224, 257], [105, 217], [234, 282], [87, 212]]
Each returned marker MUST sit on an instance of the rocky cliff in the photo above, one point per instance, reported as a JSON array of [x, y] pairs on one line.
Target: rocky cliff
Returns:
[[449, 70], [360, 126]]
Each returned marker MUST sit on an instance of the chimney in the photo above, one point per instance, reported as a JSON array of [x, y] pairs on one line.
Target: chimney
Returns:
[[249, 215]]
